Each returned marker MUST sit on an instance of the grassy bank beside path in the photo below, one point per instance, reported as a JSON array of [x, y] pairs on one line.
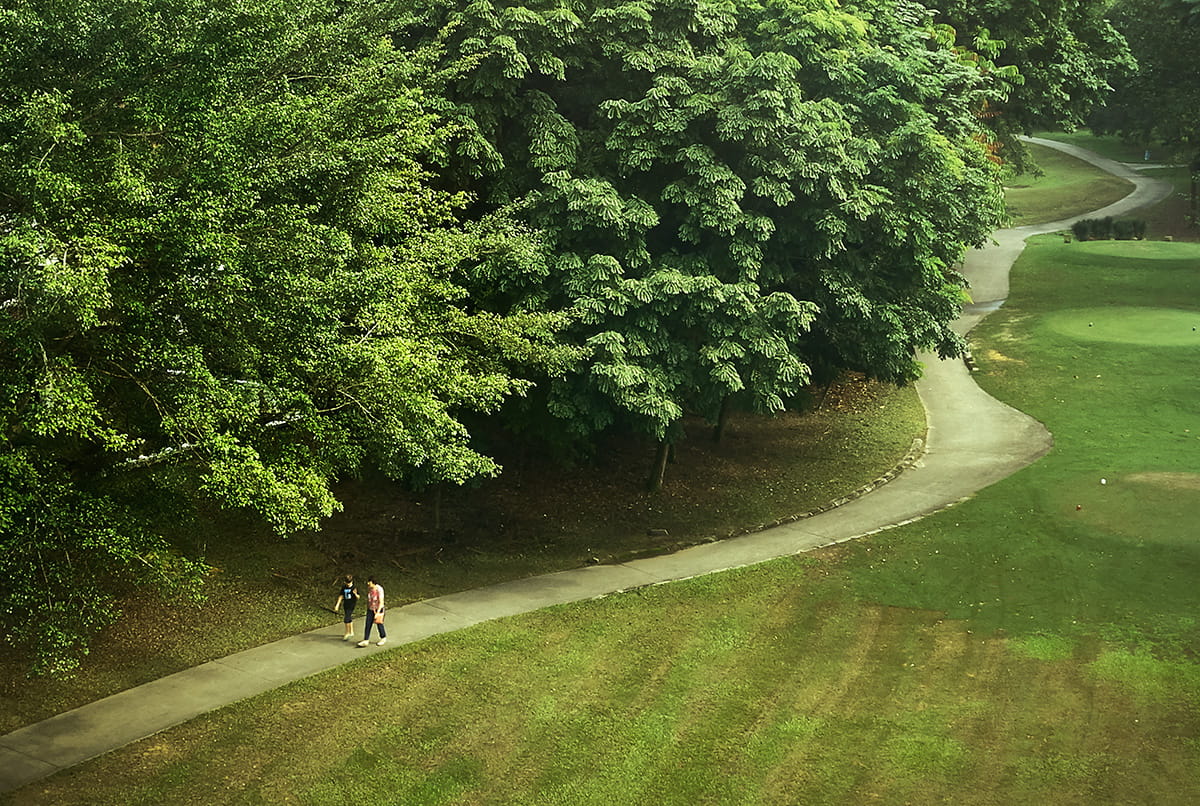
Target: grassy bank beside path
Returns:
[[1111, 147], [767, 685], [535, 518], [1066, 186]]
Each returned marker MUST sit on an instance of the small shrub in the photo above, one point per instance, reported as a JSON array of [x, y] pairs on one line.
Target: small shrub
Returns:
[[1097, 229], [1128, 229]]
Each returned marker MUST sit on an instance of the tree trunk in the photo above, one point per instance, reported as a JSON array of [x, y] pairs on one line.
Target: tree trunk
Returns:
[[722, 419], [824, 394], [661, 456], [437, 508]]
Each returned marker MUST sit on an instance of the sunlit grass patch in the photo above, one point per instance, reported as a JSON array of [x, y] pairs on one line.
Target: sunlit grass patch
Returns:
[[1138, 507], [765, 685], [1057, 769], [1161, 680], [1043, 646]]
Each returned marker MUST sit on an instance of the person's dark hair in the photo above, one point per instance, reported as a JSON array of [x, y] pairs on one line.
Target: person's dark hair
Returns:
[[349, 579]]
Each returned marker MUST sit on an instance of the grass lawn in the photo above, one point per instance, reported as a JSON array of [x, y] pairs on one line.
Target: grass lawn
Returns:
[[1035, 644], [1065, 187], [1168, 218]]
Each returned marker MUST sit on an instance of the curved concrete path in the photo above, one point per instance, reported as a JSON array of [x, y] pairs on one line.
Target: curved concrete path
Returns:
[[973, 441]]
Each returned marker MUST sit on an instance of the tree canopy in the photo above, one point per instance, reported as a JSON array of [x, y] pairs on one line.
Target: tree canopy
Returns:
[[248, 249], [1186, 11], [1160, 102], [734, 193], [1062, 57], [224, 273]]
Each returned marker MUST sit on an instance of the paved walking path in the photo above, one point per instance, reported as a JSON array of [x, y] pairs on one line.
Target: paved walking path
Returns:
[[973, 441]]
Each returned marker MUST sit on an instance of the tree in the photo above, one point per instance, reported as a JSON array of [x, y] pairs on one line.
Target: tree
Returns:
[[1066, 52], [1160, 102], [890, 288], [733, 192], [225, 274], [1186, 11]]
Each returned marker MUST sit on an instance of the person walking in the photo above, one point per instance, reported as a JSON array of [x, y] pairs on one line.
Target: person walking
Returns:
[[374, 613], [347, 599]]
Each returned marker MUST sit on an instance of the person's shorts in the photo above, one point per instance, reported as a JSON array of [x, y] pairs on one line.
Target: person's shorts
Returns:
[[347, 613]]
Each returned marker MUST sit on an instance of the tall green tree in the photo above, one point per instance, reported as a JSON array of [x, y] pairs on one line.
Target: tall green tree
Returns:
[[225, 274], [1160, 102], [735, 193], [1186, 11], [1065, 54], [912, 95]]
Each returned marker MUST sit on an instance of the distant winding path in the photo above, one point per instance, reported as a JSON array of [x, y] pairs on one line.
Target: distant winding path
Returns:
[[973, 440]]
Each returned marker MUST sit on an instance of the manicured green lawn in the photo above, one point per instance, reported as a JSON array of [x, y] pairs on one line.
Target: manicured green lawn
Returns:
[[1068, 186], [768, 685], [1035, 644], [1099, 537]]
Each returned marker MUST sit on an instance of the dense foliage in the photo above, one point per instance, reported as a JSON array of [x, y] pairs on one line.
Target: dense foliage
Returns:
[[224, 273], [735, 194], [247, 249], [1065, 55], [1160, 103], [1186, 11]]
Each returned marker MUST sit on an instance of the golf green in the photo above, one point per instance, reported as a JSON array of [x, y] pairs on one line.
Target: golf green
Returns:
[[1162, 327]]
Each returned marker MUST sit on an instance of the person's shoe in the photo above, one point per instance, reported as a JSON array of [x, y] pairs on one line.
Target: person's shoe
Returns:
[[348, 636], [382, 641], [364, 643]]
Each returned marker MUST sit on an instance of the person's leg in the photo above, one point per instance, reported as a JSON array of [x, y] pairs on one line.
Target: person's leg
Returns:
[[348, 619], [367, 629], [382, 633]]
